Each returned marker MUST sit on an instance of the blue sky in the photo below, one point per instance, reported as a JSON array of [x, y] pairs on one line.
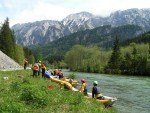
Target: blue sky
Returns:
[[23, 11]]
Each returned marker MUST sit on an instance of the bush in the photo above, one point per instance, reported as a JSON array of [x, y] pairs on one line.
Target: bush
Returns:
[[11, 107], [72, 76], [15, 86], [34, 96]]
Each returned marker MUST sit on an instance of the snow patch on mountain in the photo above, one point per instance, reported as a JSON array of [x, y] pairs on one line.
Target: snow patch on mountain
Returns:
[[76, 21]]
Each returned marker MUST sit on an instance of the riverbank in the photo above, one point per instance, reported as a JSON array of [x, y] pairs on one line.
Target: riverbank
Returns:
[[23, 93]]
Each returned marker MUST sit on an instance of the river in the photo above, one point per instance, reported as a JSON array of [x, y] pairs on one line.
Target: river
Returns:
[[132, 92]]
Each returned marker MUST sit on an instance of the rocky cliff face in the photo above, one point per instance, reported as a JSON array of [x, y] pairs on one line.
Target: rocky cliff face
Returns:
[[7, 63], [41, 32], [76, 22]]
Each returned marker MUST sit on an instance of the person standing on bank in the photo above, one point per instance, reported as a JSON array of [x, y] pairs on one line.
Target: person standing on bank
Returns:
[[35, 69], [43, 70], [39, 64], [25, 63]]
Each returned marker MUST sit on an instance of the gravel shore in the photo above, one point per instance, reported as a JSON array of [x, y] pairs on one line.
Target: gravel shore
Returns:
[[6, 63]]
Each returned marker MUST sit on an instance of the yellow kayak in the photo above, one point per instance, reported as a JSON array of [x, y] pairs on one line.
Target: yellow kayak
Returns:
[[104, 101], [107, 101], [61, 82], [74, 82], [56, 80], [100, 101]]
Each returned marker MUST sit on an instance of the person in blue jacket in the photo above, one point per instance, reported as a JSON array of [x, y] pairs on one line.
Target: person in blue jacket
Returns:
[[96, 91], [47, 74]]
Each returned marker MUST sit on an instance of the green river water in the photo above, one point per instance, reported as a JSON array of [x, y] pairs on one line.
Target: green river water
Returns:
[[132, 92]]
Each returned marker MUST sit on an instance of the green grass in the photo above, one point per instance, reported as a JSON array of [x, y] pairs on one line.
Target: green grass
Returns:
[[32, 95]]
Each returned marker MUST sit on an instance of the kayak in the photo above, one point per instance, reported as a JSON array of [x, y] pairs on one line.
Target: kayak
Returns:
[[107, 101], [74, 82], [62, 83], [56, 80], [101, 101]]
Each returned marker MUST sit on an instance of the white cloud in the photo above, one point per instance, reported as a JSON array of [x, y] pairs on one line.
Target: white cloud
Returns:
[[22, 11], [41, 11], [105, 7], [49, 11]]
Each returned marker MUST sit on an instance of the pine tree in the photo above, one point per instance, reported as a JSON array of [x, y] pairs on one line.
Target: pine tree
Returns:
[[126, 64], [27, 52], [148, 62], [149, 49], [7, 41], [115, 59], [19, 54], [134, 59]]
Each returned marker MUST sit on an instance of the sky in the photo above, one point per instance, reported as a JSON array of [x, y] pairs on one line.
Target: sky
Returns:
[[23, 11]]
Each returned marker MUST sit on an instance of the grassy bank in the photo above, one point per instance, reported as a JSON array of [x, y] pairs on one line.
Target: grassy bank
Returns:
[[22, 93]]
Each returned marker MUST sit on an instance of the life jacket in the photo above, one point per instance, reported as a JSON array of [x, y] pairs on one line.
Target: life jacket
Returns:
[[43, 68], [98, 94], [35, 67], [84, 88], [39, 64]]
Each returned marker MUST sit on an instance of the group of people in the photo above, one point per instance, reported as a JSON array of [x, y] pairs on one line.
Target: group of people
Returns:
[[41, 68], [95, 90], [59, 73], [84, 89], [37, 68]]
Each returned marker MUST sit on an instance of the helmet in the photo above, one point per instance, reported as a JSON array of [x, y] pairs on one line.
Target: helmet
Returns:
[[95, 82], [82, 80]]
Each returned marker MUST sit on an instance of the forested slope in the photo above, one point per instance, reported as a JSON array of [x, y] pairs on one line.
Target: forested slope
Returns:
[[101, 37]]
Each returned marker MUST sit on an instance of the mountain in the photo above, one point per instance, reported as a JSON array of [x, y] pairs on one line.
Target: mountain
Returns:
[[42, 32], [144, 38], [76, 22], [38, 32], [101, 36]]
